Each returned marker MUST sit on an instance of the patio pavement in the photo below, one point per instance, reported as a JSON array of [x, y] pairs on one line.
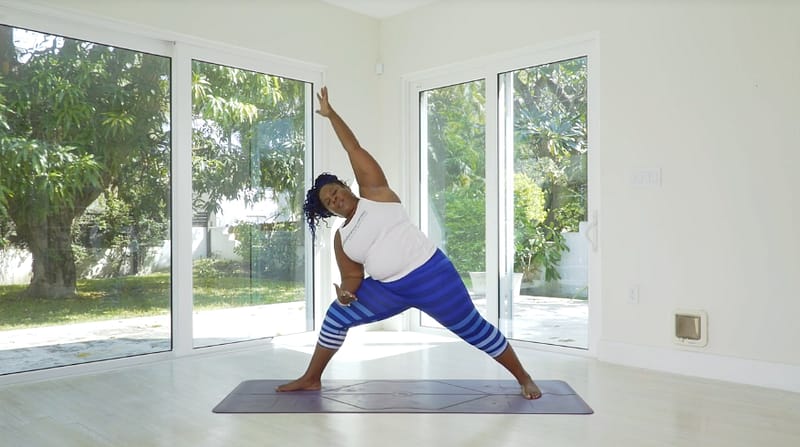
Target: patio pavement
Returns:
[[556, 321]]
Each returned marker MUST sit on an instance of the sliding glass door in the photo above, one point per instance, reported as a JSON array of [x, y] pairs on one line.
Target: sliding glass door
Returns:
[[85, 182], [504, 166], [250, 135], [453, 137], [114, 243], [545, 142]]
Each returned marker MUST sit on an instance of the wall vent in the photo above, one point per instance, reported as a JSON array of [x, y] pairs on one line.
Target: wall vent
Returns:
[[691, 327]]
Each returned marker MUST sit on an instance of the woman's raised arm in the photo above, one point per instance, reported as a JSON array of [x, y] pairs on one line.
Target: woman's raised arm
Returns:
[[371, 180]]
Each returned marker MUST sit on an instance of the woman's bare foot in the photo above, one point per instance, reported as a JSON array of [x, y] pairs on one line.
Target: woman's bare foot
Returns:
[[301, 384], [530, 390], [510, 361]]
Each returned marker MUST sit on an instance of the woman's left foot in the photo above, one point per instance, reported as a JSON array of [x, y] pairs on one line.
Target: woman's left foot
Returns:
[[530, 390]]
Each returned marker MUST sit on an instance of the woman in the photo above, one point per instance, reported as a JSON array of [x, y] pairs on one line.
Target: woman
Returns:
[[405, 268]]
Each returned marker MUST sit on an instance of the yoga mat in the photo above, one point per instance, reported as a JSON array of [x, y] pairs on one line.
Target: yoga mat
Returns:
[[404, 396]]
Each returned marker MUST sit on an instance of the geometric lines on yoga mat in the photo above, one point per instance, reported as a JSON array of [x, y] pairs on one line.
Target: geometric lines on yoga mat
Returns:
[[404, 396]]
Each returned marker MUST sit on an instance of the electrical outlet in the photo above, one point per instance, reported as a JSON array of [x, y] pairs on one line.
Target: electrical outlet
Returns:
[[691, 328], [646, 178], [633, 295]]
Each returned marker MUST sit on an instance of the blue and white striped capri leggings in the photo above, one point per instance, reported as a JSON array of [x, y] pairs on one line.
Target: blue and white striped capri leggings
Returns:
[[434, 288]]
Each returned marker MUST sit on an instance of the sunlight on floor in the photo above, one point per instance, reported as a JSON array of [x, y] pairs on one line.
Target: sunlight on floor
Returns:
[[363, 344]]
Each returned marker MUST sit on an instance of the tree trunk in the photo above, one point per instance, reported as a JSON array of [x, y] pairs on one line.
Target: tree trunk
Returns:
[[50, 243], [7, 51]]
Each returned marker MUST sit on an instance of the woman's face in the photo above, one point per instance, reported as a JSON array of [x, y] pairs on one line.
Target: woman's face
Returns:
[[338, 199]]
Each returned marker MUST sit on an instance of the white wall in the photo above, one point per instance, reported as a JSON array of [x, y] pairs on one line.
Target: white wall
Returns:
[[707, 91], [15, 266]]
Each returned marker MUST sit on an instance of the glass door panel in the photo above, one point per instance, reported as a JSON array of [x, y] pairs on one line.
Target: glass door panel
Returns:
[[249, 141], [452, 123], [543, 117], [85, 258]]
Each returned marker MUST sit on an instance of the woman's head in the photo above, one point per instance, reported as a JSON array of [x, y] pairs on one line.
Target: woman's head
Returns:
[[314, 208]]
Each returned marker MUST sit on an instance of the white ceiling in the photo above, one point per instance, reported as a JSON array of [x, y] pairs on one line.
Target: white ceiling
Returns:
[[379, 9]]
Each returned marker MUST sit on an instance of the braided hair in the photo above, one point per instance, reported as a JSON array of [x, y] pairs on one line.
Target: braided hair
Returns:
[[313, 208]]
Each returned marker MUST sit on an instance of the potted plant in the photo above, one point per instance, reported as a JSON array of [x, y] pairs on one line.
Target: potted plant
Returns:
[[537, 255]]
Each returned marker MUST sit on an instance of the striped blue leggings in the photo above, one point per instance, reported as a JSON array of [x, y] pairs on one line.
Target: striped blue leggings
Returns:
[[434, 288]]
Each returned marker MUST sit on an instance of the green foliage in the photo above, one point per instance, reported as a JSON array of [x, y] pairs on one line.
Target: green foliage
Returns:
[[217, 268], [85, 144], [249, 137], [78, 119], [456, 136], [528, 203], [540, 252], [466, 226], [456, 169], [529, 216], [271, 250], [40, 176], [551, 137], [551, 144]]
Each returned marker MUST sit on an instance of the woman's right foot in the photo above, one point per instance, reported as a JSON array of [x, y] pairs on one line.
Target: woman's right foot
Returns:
[[301, 384]]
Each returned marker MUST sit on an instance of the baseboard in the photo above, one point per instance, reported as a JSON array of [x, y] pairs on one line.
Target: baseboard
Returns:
[[700, 364]]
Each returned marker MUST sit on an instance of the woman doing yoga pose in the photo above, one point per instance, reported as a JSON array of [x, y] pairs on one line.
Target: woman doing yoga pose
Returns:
[[405, 269]]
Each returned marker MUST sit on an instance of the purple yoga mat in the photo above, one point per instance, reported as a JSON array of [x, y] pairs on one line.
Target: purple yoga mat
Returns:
[[404, 396]]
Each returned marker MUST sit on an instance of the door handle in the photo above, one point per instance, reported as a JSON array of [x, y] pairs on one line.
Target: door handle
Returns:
[[591, 231]]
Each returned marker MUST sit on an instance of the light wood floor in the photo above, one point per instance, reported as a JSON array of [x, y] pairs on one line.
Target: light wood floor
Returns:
[[169, 403]]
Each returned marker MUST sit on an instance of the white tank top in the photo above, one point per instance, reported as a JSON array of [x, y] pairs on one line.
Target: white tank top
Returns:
[[382, 238]]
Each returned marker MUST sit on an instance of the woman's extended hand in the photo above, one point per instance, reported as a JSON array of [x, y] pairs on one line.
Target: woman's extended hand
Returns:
[[324, 105], [344, 297]]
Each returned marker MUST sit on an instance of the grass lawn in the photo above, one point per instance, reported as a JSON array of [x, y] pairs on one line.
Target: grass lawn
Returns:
[[137, 296]]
